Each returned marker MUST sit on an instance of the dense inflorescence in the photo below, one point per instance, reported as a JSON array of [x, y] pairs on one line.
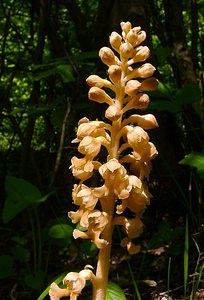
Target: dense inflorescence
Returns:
[[128, 162]]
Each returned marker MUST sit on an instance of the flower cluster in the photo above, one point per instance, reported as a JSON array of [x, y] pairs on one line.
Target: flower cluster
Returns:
[[125, 140]]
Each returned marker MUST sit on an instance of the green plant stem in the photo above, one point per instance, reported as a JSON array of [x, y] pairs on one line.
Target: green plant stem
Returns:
[[197, 282], [186, 255], [137, 293]]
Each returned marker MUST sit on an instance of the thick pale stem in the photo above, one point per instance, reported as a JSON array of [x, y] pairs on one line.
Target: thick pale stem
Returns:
[[101, 279], [108, 206]]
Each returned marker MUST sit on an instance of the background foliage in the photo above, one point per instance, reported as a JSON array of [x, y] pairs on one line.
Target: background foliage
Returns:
[[48, 48]]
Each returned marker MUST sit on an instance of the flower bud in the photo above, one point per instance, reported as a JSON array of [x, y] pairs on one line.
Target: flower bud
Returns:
[[141, 37], [146, 70], [132, 87], [146, 121], [115, 40], [107, 56], [132, 37], [126, 26], [94, 80], [142, 53], [126, 51], [136, 29], [143, 101], [113, 113], [114, 73], [99, 95], [149, 84]]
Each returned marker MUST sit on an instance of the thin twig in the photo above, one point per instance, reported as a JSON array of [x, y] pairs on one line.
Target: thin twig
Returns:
[[61, 145]]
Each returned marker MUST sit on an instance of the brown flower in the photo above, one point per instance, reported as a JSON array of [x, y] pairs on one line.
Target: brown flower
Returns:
[[96, 222], [82, 168]]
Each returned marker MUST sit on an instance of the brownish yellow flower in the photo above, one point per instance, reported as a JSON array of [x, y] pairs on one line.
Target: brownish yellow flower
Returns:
[[82, 168], [92, 128], [137, 201], [95, 223], [86, 196], [75, 283]]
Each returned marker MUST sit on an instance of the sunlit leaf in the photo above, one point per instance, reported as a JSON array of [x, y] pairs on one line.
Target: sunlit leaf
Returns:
[[114, 292], [195, 160]]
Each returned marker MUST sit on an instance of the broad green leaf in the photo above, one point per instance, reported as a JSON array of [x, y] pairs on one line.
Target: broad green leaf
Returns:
[[20, 253], [38, 111], [188, 94], [20, 194], [195, 160], [44, 74], [35, 279], [55, 62], [65, 71], [6, 266], [114, 292], [61, 231], [163, 91], [162, 53], [86, 55], [164, 105]]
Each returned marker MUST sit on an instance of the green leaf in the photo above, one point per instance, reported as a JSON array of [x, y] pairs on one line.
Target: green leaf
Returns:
[[114, 292], [163, 91], [35, 279], [164, 105], [35, 111], [61, 231], [65, 71], [20, 194], [188, 94], [162, 54], [20, 253], [6, 266], [195, 160], [53, 63], [44, 74]]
